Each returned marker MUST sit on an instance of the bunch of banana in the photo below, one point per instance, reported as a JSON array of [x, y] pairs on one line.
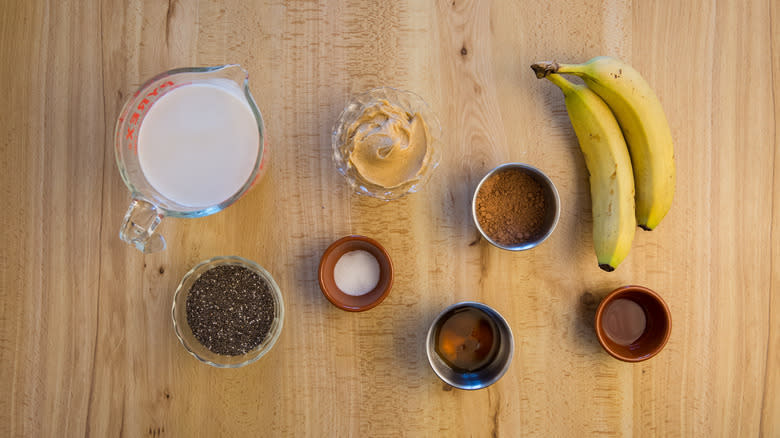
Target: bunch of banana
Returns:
[[632, 107]]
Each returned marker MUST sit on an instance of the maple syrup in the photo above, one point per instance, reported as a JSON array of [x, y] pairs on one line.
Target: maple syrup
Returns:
[[467, 339]]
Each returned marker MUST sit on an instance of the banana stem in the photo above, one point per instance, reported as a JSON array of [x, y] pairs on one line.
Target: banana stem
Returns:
[[564, 84], [574, 69], [543, 69]]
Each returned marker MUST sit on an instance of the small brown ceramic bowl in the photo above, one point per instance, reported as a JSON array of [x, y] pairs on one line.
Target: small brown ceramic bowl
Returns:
[[658, 324], [328, 283]]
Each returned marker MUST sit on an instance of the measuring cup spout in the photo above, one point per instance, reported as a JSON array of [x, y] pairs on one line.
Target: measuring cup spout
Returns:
[[139, 225]]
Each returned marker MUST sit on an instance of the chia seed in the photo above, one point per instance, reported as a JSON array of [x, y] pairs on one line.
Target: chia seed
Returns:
[[230, 309]]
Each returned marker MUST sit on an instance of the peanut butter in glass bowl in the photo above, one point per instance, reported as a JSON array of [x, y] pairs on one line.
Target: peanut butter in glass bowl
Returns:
[[385, 143]]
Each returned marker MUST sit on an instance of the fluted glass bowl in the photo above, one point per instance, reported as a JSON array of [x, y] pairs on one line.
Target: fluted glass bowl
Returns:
[[412, 104], [188, 339]]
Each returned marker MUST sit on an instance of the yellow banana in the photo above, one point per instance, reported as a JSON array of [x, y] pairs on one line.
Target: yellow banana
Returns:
[[611, 178], [644, 124]]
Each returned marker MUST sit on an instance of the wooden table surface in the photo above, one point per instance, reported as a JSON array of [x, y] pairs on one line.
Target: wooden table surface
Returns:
[[86, 341]]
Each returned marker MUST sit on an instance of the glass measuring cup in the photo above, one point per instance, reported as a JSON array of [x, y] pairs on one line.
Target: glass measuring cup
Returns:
[[149, 206]]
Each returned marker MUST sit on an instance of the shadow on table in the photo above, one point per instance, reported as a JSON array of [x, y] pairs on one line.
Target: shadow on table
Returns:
[[409, 349], [306, 267], [584, 324]]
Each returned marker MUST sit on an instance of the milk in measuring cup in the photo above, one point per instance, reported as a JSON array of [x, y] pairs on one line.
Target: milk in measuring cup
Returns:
[[198, 144]]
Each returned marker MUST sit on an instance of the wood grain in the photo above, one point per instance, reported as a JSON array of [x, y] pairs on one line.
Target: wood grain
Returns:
[[86, 342]]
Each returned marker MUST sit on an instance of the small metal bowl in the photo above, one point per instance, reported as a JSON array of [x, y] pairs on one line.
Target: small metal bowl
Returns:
[[485, 376], [184, 332], [551, 198]]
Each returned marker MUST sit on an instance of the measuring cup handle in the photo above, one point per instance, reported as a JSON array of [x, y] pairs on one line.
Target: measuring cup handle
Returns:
[[138, 227]]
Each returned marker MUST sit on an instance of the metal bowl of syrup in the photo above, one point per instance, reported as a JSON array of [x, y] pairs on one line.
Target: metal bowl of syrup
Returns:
[[469, 345]]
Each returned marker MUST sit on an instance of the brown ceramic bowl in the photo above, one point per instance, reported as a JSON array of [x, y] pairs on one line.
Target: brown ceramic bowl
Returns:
[[658, 324], [328, 283]]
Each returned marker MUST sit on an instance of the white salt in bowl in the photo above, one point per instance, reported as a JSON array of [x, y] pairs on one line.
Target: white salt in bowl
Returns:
[[343, 300]]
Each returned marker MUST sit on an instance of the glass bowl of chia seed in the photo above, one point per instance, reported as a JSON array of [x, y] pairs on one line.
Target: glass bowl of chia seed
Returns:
[[227, 312]]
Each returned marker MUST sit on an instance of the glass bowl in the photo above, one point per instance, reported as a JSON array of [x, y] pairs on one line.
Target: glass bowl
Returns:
[[342, 149], [188, 339]]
